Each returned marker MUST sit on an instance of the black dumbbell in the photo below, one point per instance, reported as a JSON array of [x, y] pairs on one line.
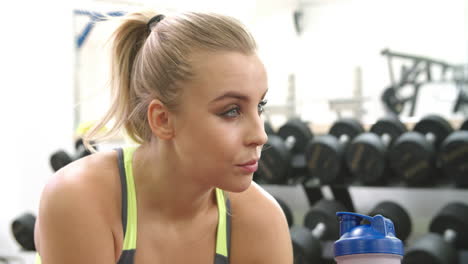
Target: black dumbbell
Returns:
[[22, 228], [453, 158], [367, 154], [325, 154], [464, 125], [268, 128], [320, 224], [448, 232], [399, 216], [282, 156], [413, 155], [61, 158], [287, 211]]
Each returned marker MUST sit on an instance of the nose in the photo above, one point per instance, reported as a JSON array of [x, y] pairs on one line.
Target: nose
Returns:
[[256, 135]]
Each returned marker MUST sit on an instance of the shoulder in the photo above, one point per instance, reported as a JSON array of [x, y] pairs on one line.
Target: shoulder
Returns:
[[89, 178], [260, 231], [79, 199]]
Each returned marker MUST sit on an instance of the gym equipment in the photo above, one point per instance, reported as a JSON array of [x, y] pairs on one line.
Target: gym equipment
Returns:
[[448, 232], [320, 223], [413, 155], [296, 133], [399, 216], [464, 125], [268, 128], [287, 211], [22, 228], [453, 158], [282, 154], [367, 156], [325, 154], [415, 74], [61, 158]]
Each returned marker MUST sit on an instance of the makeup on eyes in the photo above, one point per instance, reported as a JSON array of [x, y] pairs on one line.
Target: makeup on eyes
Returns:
[[237, 108]]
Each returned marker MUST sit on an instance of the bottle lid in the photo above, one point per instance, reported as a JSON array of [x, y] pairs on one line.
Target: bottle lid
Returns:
[[376, 237]]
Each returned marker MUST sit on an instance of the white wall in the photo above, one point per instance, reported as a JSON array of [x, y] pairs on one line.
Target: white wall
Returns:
[[36, 102]]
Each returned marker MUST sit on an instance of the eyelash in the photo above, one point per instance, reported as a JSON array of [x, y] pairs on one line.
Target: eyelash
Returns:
[[260, 106]]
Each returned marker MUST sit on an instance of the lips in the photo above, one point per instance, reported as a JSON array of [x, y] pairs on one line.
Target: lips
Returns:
[[252, 162], [250, 166]]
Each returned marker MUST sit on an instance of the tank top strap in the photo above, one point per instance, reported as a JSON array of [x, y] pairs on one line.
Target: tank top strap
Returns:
[[223, 237]]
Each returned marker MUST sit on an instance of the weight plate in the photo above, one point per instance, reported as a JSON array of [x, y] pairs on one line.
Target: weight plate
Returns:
[[324, 155], [391, 101], [435, 125], [464, 126], [287, 211], [399, 216], [412, 158], [346, 126], [453, 157], [299, 130], [268, 128], [59, 160], [306, 248], [23, 231], [390, 126], [452, 216], [430, 249], [324, 211], [365, 158], [274, 166]]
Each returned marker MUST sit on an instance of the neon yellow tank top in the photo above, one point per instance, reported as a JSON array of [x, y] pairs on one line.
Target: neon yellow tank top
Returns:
[[129, 215]]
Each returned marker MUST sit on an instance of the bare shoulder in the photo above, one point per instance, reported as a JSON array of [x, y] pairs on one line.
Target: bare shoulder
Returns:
[[76, 210], [260, 231]]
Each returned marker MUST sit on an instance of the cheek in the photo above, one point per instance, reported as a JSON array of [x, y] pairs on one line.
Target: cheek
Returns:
[[217, 139]]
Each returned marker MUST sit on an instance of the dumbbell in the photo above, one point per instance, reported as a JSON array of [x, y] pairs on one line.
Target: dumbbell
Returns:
[[61, 158], [448, 232], [367, 154], [413, 155], [453, 158], [268, 128], [287, 211], [325, 154], [464, 125], [399, 216], [282, 155], [320, 224], [22, 228]]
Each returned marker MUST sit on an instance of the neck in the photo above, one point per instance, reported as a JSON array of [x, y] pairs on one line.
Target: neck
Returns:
[[168, 189]]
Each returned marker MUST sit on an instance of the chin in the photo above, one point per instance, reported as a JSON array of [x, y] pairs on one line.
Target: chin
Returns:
[[238, 186]]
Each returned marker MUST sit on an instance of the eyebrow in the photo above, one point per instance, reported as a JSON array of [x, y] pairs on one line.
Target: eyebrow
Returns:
[[236, 95]]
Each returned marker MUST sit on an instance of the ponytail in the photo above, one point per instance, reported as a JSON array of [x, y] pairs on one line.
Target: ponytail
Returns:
[[127, 40]]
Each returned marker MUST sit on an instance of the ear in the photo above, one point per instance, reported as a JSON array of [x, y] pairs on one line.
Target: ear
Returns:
[[159, 120]]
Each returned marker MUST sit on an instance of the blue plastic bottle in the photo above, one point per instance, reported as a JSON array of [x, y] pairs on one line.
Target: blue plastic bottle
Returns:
[[370, 243]]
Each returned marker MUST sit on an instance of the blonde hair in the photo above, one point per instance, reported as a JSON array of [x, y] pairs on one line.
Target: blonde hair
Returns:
[[149, 63]]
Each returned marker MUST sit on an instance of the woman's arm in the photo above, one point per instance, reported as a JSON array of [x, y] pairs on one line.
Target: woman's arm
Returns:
[[72, 226], [260, 233]]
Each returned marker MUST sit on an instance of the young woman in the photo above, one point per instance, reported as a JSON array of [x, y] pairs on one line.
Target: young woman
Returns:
[[190, 89]]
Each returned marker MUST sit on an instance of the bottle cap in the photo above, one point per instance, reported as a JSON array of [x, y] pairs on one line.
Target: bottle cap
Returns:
[[376, 237]]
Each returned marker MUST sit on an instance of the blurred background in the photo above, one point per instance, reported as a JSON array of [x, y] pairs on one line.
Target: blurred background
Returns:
[[325, 59]]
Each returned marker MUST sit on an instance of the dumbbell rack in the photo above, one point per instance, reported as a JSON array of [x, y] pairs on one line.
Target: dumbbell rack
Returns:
[[422, 203]]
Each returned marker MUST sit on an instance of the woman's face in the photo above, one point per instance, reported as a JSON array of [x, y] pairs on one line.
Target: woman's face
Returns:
[[219, 131]]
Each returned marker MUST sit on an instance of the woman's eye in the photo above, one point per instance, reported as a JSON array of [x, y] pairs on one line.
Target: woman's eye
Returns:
[[233, 112], [261, 106]]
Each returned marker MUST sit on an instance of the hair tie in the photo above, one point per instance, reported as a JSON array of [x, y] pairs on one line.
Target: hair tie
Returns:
[[154, 19]]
